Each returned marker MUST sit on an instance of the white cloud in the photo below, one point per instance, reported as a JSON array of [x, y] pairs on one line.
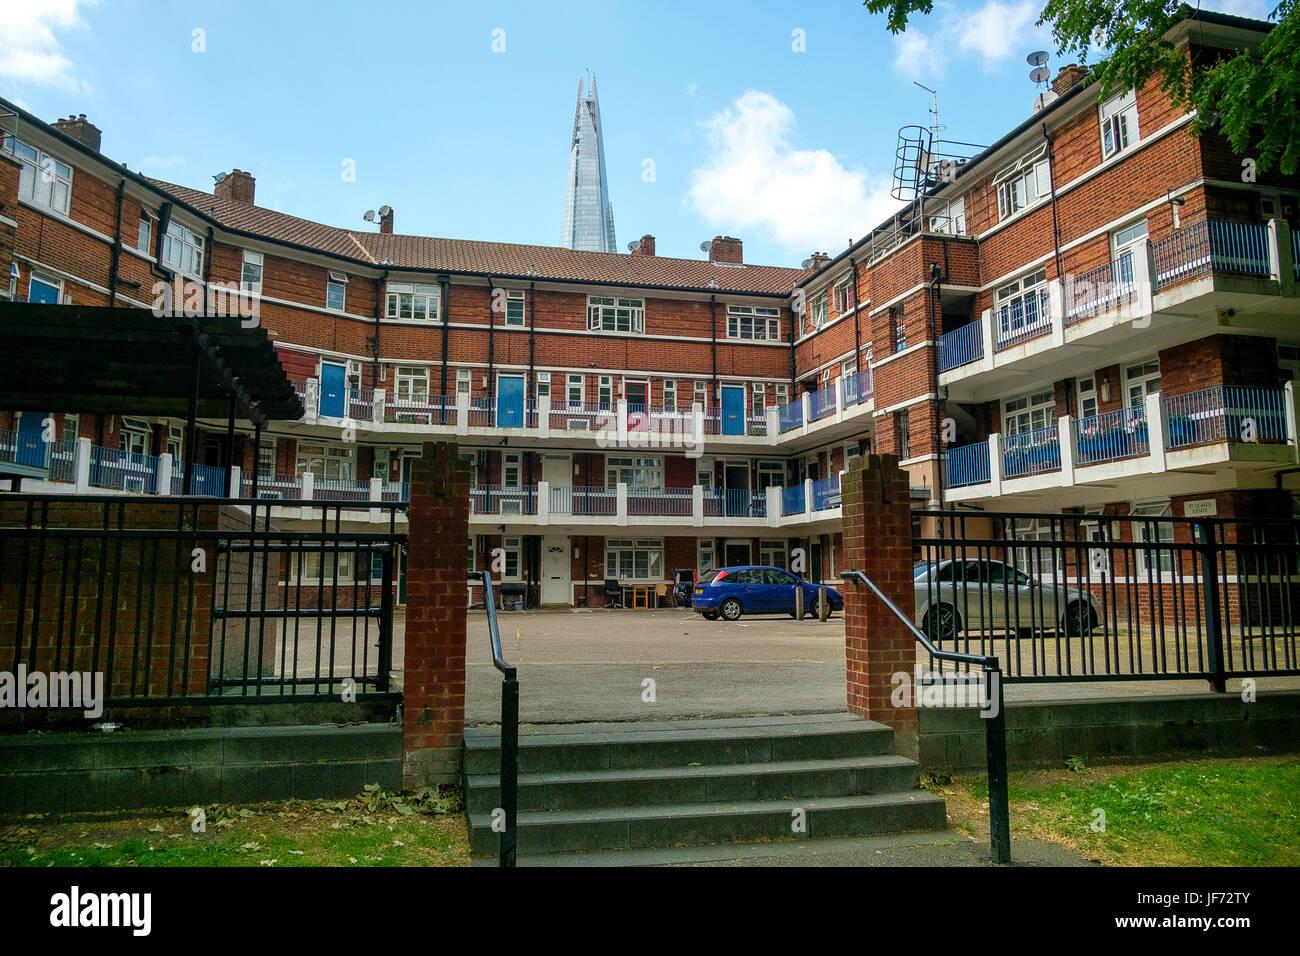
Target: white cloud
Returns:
[[30, 51], [755, 180], [995, 32]]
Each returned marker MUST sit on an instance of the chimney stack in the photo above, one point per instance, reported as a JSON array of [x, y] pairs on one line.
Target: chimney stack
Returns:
[[81, 129], [386, 223], [646, 247], [819, 259], [1068, 78], [239, 186], [726, 249]]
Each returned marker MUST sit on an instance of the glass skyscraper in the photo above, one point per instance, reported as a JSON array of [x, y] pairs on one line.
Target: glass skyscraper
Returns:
[[588, 215]]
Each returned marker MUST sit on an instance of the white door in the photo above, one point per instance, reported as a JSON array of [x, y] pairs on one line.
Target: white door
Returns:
[[555, 571], [555, 471]]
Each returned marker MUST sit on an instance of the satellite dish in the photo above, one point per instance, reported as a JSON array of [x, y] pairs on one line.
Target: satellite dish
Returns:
[[704, 246], [220, 178], [806, 264], [1039, 74], [631, 246], [385, 211], [369, 216], [1037, 58]]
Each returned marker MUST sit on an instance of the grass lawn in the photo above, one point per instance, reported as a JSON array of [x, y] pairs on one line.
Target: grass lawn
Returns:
[[373, 829], [1241, 812]]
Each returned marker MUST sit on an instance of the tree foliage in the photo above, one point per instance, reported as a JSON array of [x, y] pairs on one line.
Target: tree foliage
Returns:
[[1251, 96]]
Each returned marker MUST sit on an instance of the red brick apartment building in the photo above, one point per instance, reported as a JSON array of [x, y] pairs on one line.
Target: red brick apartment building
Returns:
[[1097, 313]]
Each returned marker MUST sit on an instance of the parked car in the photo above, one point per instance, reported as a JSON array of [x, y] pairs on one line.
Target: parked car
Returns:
[[755, 589], [959, 595]]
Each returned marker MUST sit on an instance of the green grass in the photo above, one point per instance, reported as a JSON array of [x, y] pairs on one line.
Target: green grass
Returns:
[[374, 829], [1204, 813]]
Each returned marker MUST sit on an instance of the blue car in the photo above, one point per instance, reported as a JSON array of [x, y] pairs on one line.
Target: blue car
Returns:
[[755, 589]]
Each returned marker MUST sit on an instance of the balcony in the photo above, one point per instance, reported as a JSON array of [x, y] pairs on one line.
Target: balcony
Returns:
[[966, 465], [1211, 246], [1226, 413], [1031, 452], [961, 347]]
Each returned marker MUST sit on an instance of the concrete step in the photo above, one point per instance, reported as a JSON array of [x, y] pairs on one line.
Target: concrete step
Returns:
[[566, 831], [679, 743], [771, 780]]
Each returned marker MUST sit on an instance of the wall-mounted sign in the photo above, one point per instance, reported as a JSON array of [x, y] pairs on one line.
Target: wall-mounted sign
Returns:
[[1200, 508]]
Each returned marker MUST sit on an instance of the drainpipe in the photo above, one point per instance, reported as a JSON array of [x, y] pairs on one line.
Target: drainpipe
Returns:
[[1056, 225], [857, 331], [936, 310], [117, 247], [491, 342], [207, 270], [532, 341], [713, 343], [445, 283], [379, 311]]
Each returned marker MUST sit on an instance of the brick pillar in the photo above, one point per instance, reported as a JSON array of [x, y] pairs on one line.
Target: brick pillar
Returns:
[[433, 685], [878, 542]]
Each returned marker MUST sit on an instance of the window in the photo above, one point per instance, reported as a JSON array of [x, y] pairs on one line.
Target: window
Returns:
[[183, 249], [844, 296], [1037, 562], [134, 437], [510, 553], [412, 383], [1028, 412], [462, 381], [144, 238], [543, 386], [71, 427], [1119, 124], [781, 394], [266, 463], [899, 324], [331, 462], [514, 306], [1124, 241], [701, 397], [176, 447], [748, 322], [670, 395], [1159, 535], [335, 291], [42, 179], [904, 434], [819, 311], [1141, 380], [605, 392], [1087, 397], [610, 314], [634, 560], [576, 390], [773, 553], [1023, 183], [1022, 306], [308, 566], [637, 473], [251, 280], [704, 560], [511, 470], [949, 217], [760, 397], [470, 553], [406, 300], [770, 473], [47, 291]]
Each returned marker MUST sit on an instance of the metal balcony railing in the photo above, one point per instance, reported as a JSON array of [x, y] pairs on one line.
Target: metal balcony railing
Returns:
[[961, 346], [1226, 413], [1031, 453], [967, 464], [1109, 436]]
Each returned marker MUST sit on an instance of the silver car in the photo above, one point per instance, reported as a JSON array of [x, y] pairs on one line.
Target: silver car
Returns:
[[979, 595]]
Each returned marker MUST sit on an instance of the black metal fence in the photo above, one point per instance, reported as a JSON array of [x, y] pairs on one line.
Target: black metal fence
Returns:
[[192, 600], [1101, 597]]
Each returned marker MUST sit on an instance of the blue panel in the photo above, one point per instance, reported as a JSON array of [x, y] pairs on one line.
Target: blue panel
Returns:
[[510, 401], [43, 292], [733, 410], [31, 449], [333, 391]]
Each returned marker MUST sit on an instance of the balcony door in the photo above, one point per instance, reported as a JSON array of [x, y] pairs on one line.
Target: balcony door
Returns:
[[733, 410], [510, 401], [333, 390]]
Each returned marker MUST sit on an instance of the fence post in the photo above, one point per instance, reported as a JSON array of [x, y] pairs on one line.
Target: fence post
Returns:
[[620, 503], [1286, 253], [378, 405], [1156, 432], [773, 506], [995, 752], [543, 502], [544, 416], [1274, 251], [236, 480], [990, 344], [376, 494], [311, 402], [1292, 416], [1056, 305], [1065, 438], [462, 413], [697, 505], [307, 494], [162, 480], [995, 464], [81, 467], [1144, 277], [805, 406], [773, 424], [1210, 600]]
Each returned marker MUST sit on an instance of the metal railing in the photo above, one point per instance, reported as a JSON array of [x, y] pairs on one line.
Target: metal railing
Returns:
[[967, 464], [792, 500], [1022, 319], [995, 727], [734, 503], [503, 500], [271, 486], [509, 729], [1031, 452], [123, 471], [821, 403], [790, 416], [1207, 246], [826, 493], [670, 502], [205, 480], [1100, 290], [173, 602], [584, 500], [1226, 413], [961, 346], [421, 410], [1109, 436]]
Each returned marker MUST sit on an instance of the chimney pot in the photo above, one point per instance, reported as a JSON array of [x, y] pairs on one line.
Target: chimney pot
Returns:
[[1068, 78], [81, 129], [239, 186], [726, 249]]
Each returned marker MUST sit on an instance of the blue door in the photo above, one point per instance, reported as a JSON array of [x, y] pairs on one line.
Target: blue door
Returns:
[[30, 449], [733, 410], [510, 401], [333, 391]]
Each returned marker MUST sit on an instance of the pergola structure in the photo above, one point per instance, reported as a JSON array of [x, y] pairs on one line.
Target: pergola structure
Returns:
[[114, 361]]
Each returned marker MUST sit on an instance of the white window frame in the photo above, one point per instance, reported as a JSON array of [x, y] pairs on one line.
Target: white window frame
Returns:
[[578, 384], [43, 180], [759, 392], [1030, 292], [253, 264], [516, 308], [701, 393], [633, 548], [774, 552], [145, 231], [542, 385], [844, 295], [1141, 375], [753, 323], [412, 302], [780, 394], [670, 395], [705, 555], [642, 474], [134, 436], [411, 383], [605, 392], [183, 249], [464, 384], [1028, 412], [607, 313], [307, 568], [1118, 117], [1153, 508], [339, 280], [1086, 391], [820, 310], [54, 283], [326, 460], [898, 319], [1023, 184], [512, 549], [949, 217]]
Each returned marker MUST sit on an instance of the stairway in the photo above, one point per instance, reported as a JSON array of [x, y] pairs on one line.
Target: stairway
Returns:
[[588, 787]]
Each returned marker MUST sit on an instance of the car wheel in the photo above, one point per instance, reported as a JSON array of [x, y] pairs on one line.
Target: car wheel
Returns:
[[709, 615], [941, 623], [1078, 619], [731, 610]]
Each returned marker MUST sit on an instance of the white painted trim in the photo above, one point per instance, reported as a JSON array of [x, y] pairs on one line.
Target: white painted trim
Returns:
[[903, 354]]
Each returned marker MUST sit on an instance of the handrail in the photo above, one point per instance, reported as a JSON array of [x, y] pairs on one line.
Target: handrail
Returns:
[[995, 728], [509, 727]]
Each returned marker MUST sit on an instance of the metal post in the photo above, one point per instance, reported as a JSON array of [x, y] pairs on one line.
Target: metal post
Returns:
[[257, 455], [191, 430], [996, 755], [385, 614], [230, 445], [823, 605], [1210, 596], [798, 604], [509, 766]]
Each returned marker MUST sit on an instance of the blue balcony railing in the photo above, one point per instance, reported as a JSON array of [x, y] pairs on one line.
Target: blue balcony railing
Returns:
[[1120, 433], [961, 346], [1031, 453], [821, 403], [792, 500], [123, 470], [791, 416], [660, 502], [1101, 290], [205, 480], [967, 464], [1226, 413], [826, 493], [1211, 246]]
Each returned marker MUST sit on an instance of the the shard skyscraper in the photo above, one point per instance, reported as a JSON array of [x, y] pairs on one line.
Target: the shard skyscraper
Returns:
[[588, 215]]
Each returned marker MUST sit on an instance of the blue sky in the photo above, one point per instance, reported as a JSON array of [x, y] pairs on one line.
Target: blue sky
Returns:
[[791, 151]]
